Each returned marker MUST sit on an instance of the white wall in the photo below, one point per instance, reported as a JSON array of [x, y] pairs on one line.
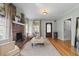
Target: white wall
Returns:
[[55, 26], [73, 13], [43, 27], [60, 29]]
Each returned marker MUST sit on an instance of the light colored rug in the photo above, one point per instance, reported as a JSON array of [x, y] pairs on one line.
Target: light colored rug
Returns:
[[46, 50]]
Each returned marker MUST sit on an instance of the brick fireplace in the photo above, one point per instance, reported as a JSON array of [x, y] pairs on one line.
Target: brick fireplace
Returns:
[[18, 31]]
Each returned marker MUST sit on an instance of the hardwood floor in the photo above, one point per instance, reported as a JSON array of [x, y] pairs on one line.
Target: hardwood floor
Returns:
[[64, 48]]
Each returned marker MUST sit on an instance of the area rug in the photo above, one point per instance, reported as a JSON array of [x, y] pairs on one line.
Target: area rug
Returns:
[[39, 50]]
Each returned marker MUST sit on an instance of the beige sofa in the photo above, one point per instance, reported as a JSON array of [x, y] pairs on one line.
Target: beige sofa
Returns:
[[9, 49], [38, 40]]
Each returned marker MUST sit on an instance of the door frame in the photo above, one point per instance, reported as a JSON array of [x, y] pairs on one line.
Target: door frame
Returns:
[[46, 29], [75, 44]]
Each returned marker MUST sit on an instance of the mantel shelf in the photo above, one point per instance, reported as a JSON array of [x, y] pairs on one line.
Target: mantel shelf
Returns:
[[18, 23]]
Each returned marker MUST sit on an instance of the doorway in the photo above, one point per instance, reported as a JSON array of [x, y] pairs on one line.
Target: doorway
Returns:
[[49, 30], [67, 31]]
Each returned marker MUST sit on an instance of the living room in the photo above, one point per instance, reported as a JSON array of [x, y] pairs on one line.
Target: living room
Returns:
[[33, 27]]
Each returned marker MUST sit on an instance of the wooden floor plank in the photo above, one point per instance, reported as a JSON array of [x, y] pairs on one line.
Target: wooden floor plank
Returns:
[[64, 48]]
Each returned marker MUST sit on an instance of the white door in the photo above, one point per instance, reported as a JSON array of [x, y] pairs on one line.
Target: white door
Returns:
[[67, 30]]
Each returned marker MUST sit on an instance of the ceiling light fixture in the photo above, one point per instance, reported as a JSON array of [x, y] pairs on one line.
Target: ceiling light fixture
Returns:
[[44, 11]]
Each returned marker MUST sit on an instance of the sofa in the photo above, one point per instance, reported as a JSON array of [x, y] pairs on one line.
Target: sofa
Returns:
[[37, 41], [9, 49]]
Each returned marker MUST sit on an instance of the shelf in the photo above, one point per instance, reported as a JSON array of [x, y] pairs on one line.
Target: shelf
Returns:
[[18, 23]]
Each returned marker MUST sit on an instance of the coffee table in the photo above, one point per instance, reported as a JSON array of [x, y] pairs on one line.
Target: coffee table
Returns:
[[34, 44]]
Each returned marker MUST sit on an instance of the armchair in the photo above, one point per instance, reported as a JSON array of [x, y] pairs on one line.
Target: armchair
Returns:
[[9, 49]]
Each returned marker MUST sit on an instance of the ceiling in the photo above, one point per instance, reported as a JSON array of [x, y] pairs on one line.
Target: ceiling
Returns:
[[55, 10]]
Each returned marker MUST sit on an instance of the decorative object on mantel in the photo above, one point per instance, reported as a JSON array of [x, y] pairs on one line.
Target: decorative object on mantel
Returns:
[[22, 18], [2, 9], [17, 19]]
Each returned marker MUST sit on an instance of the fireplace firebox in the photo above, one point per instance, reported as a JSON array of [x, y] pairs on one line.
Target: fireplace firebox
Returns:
[[19, 36]]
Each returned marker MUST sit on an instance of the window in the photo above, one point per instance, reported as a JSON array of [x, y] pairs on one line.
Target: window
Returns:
[[36, 27], [2, 28], [48, 28]]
